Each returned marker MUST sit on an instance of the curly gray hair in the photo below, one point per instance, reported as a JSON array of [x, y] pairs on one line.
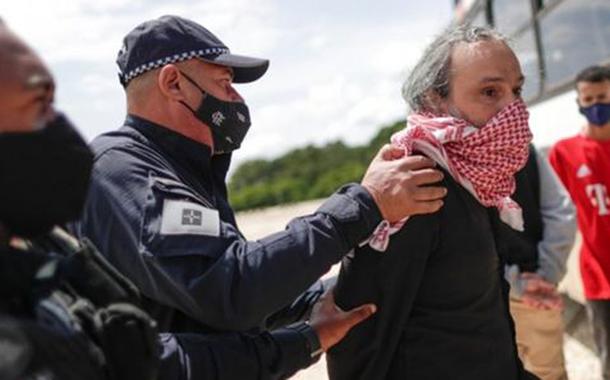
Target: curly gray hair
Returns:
[[433, 69]]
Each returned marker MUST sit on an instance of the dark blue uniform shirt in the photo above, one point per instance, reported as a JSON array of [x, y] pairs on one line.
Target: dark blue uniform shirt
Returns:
[[158, 210], [233, 356]]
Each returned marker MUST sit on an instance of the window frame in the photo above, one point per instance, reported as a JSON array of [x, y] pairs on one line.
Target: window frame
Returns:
[[540, 8]]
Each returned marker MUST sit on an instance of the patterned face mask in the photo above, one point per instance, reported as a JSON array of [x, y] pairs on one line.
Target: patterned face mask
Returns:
[[228, 121], [484, 160]]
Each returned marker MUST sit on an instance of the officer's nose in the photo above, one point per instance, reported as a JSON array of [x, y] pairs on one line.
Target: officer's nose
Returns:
[[234, 96]]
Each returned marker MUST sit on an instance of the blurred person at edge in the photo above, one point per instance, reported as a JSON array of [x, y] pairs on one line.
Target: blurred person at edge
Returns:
[[536, 259], [53, 288], [158, 206], [45, 310], [582, 162], [443, 307]]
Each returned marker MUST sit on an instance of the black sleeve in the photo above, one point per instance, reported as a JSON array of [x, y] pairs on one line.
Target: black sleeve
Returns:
[[268, 356], [219, 279], [390, 280]]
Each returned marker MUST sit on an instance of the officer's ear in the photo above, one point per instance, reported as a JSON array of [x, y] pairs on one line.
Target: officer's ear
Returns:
[[169, 83]]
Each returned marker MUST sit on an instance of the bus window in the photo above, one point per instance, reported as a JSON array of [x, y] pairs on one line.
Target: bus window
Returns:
[[574, 35], [479, 19], [510, 15], [525, 48]]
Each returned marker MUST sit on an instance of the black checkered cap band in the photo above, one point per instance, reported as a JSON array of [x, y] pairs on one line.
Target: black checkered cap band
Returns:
[[203, 53]]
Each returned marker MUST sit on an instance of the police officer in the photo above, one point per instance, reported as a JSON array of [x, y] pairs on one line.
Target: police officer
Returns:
[[158, 206], [65, 313]]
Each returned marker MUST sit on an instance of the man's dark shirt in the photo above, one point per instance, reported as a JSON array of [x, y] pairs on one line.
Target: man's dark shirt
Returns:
[[442, 306]]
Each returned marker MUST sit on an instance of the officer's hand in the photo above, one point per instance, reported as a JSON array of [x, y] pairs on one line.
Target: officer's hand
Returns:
[[396, 183], [331, 323], [539, 293]]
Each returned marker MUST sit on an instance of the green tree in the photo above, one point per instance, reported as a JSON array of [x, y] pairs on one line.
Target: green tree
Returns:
[[304, 173]]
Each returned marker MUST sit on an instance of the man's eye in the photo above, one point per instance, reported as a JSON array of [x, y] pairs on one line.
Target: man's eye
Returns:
[[489, 92], [518, 91]]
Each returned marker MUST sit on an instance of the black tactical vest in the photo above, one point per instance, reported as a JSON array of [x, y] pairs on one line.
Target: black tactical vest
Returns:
[[63, 299]]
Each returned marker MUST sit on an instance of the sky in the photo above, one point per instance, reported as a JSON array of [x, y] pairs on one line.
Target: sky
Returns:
[[337, 66]]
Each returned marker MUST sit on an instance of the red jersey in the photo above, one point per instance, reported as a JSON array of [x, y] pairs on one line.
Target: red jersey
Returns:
[[583, 165]]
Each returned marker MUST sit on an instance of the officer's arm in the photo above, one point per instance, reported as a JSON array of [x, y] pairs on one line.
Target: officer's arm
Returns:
[[215, 276], [268, 356], [237, 284]]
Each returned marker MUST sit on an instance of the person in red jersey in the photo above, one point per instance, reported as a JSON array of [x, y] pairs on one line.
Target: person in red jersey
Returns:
[[583, 164]]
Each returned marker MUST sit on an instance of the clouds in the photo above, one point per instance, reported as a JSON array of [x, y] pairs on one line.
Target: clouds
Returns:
[[91, 31], [336, 67], [334, 80]]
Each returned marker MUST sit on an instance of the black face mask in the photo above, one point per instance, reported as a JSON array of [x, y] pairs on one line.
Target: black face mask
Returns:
[[44, 177], [229, 121]]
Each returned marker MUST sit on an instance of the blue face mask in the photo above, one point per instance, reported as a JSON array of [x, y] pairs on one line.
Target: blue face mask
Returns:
[[597, 114]]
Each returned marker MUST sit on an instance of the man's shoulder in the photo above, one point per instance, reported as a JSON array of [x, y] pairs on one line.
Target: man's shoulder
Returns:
[[125, 150], [565, 149], [568, 143], [122, 139]]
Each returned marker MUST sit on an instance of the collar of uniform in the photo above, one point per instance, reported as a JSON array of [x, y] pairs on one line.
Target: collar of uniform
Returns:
[[175, 145], [194, 155]]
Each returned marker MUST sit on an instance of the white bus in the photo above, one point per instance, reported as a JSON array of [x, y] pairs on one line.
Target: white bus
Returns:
[[554, 40]]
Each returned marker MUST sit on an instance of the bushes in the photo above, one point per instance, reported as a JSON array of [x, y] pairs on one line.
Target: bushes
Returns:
[[306, 173]]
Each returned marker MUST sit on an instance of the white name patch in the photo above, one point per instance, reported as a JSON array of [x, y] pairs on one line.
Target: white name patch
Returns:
[[183, 217]]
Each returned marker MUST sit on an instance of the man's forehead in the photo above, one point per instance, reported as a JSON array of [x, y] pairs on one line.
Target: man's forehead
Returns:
[[593, 87], [600, 84], [486, 61]]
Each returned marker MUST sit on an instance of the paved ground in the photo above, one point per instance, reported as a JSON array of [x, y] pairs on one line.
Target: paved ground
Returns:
[[580, 361]]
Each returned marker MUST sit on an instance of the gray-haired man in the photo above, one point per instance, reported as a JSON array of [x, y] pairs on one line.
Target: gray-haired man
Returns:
[[443, 308]]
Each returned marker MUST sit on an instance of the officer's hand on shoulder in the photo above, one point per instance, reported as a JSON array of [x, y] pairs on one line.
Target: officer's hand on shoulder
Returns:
[[331, 323], [398, 184]]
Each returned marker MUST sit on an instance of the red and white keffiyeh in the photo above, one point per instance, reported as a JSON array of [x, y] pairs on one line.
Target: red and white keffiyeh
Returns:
[[483, 160]]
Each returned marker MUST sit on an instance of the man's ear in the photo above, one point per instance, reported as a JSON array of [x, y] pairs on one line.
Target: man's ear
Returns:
[[168, 81], [435, 103]]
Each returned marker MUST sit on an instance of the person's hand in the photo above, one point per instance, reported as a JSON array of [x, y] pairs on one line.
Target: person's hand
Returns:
[[331, 323], [539, 293], [397, 184]]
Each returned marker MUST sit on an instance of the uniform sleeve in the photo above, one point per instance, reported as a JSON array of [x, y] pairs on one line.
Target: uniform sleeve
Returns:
[[268, 356], [389, 280], [559, 221], [213, 274]]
